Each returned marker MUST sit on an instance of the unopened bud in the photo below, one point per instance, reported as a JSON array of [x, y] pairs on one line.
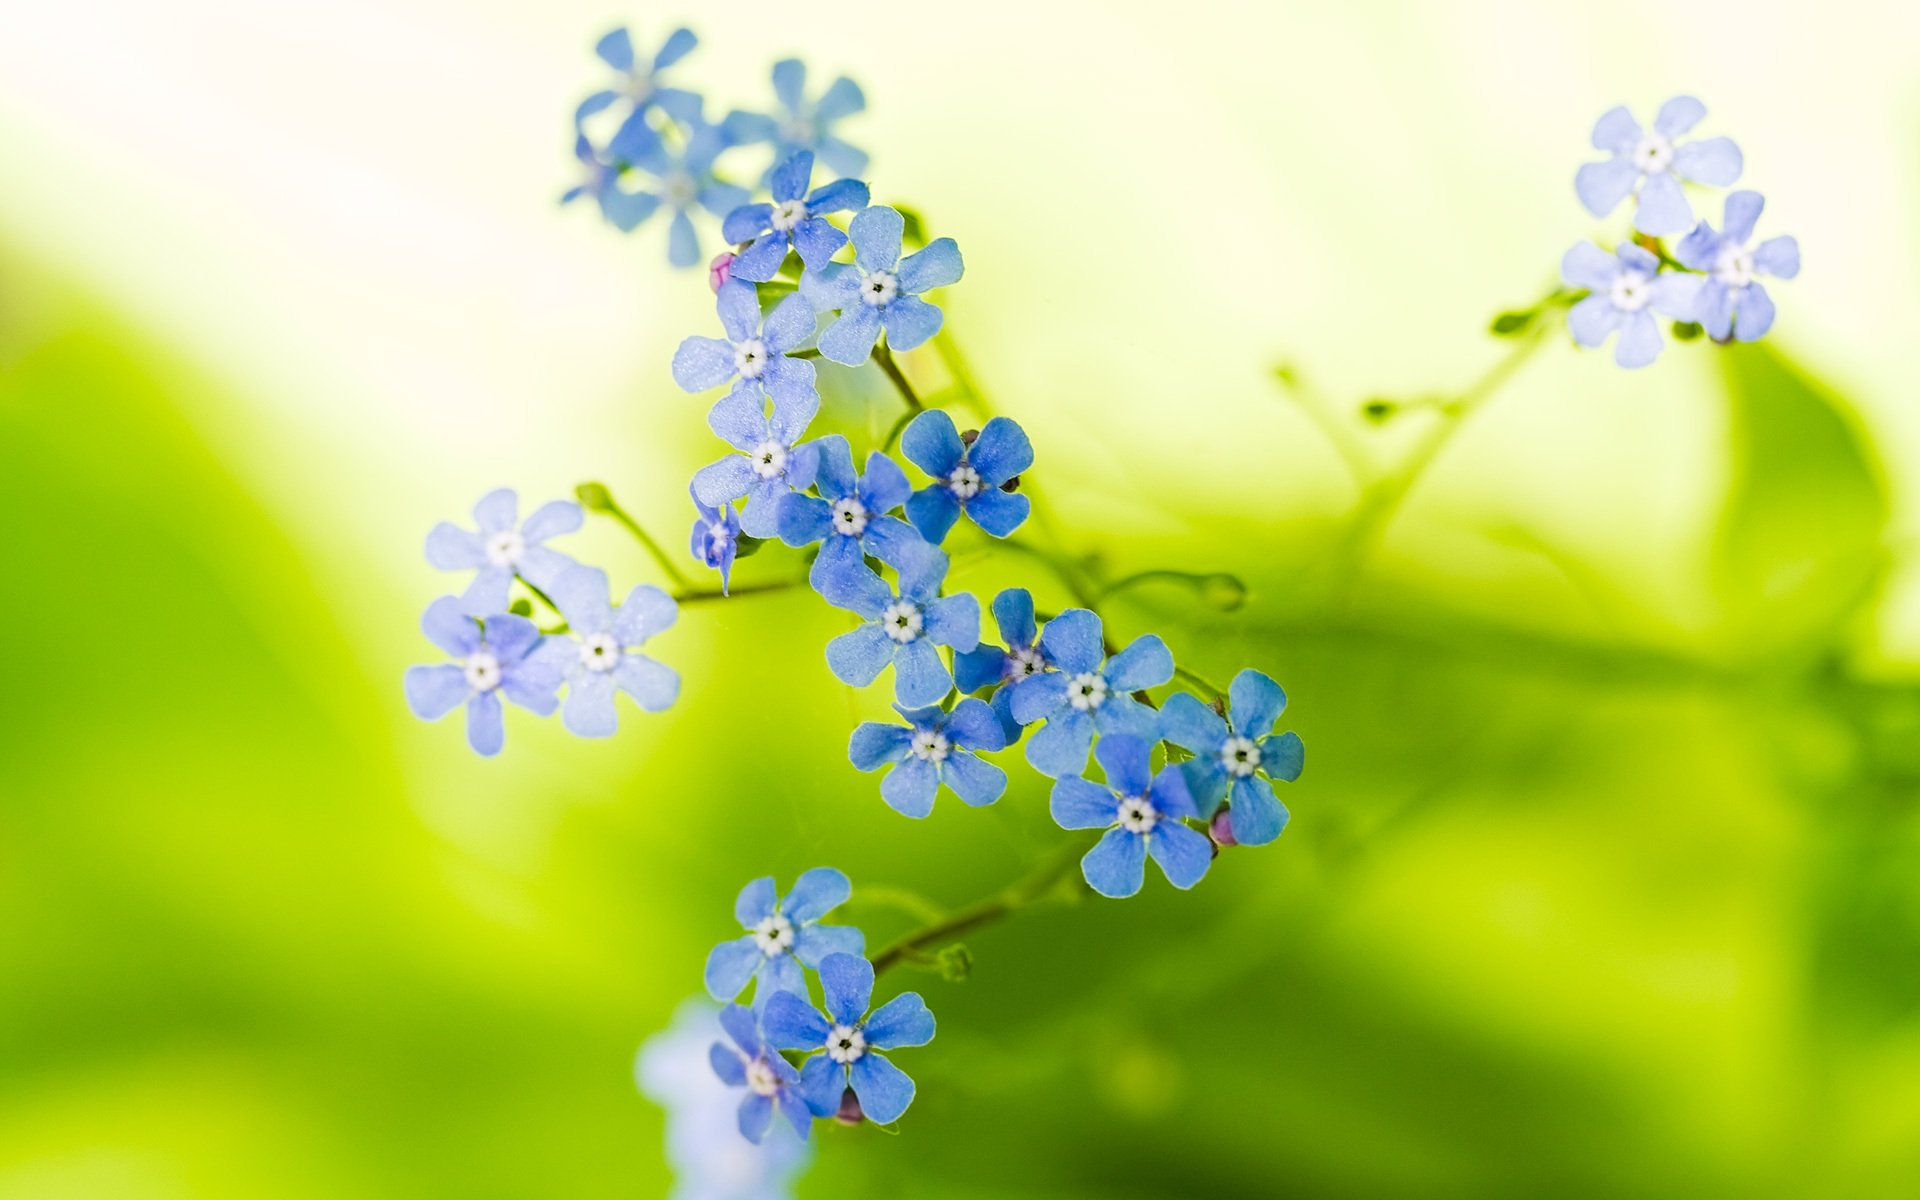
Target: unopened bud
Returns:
[[1011, 485], [1221, 829], [969, 436], [956, 963], [849, 1112], [720, 270], [521, 607], [1224, 592], [594, 496], [1378, 410]]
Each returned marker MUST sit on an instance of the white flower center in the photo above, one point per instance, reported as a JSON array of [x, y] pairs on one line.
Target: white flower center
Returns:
[[505, 548], [1734, 266], [599, 652], [769, 459], [965, 482], [1023, 661], [931, 745], [1137, 815], [483, 671], [718, 539], [774, 935], [902, 621], [787, 214], [845, 1043], [761, 1080], [1653, 155], [849, 517], [878, 288], [750, 358], [799, 132], [1086, 690], [679, 190], [1240, 756], [1631, 291]]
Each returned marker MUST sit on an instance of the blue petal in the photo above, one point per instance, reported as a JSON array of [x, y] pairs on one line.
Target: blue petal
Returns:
[[849, 340], [822, 1083], [931, 443], [789, 82], [1079, 803], [873, 745], [730, 965], [1716, 309], [1060, 748], [910, 787], [1254, 812], [1206, 783], [816, 241], [746, 223], [1001, 451], [972, 778], [1183, 854], [1715, 162], [884, 1089], [678, 45], [756, 1116], [1616, 130], [780, 973], [884, 487], [1677, 294], [789, 325], [497, 511], [1144, 663], [901, 547], [999, 513], [762, 260], [581, 595], [486, 732], [813, 943], [1074, 641], [788, 1022], [834, 286], [452, 548], [1677, 116], [790, 177], [803, 520], [1663, 207], [1117, 865], [841, 157], [816, 893], [876, 234], [840, 572], [1013, 611], [859, 591], [972, 724], [433, 692], [1038, 697], [756, 902], [1779, 257], [910, 321], [1591, 320], [1742, 213], [857, 657], [646, 611], [703, 362], [1188, 723], [1637, 258], [1128, 764], [743, 1027], [901, 1021], [1170, 795], [933, 511], [616, 50], [842, 195], [1602, 186], [727, 1065], [683, 247], [589, 710], [979, 668], [842, 98], [1639, 342], [919, 675], [837, 478], [790, 380], [954, 621], [938, 265], [1586, 265], [1283, 757], [1255, 702], [846, 983], [1753, 313]]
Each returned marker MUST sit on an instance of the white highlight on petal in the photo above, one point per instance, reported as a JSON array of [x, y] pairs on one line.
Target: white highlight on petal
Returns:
[[1653, 155], [845, 1043], [930, 745], [1631, 291], [1240, 756], [483, 671], [903, 621], [750, 358], [761, 1080], [1137, 815], [769, 459], [774, 935], [1086, 691], [599, 652], [505, 548], [964, 482], [849, 517], [878, 288], [787, 214]]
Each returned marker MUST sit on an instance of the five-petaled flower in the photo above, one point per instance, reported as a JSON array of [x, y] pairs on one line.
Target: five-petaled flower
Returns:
[[499, 550], [683, 180], [1732, 301], [903, 629], [782, 936], [770, 1080], [804, 124], [622, 209], [639, 84], [1006, 669], [846, 1040], [933, 748], [772, 461], [595, 657], [878, 290], [1087, 692], [851, 518], [967, 476], [716, 538], [793, 220], [1234, 758], [1650, 161], [1626, 290], [755, 356], [1143, 813], [494, 660]]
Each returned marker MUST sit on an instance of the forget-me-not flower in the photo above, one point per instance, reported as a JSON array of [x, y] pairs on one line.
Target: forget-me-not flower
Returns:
[[1732, 301], [755, 355], [967, 477], [792, 220], [1234, 758], [716, 538], [878, 290], [850, 517], [503, 548], [846, 1040], [1088, 691], [903, 630], [1143, 815], [1626, 289], [803, 124], [639, 84], [1650, 161], [770, 1080], [772, 461], [595, 654], [684, 179], [783, 934], [1007, 668], [496, 660], [622, 209], [933, 748]]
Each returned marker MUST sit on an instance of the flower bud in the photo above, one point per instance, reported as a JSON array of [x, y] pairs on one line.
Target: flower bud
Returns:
[[720, 270], [849, 1113], [594, 497], [1221, 829]]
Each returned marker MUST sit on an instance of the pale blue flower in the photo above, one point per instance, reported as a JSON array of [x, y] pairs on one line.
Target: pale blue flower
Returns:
[[716, 538], [792, 221], [932, 748], [1732, 301], [803, 124], [596, 654], [1237, 757], [638, 83], [1651, 162], [1144, 815], [783, 935], [756, 355], [968, 476], [846, 1041], [878, 290], [493, 660], [1625, 291], [502, 548], [903, 629], [1087, 691], [769, 1079]]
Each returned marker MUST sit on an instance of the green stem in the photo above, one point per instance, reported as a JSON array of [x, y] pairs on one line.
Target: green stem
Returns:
[[1199, 680], [595, 496], [883, 355], [1037, 886], [696, 595], [1078, 585]]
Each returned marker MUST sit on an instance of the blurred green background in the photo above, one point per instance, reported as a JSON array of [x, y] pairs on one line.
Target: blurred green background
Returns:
[[1604, 876]]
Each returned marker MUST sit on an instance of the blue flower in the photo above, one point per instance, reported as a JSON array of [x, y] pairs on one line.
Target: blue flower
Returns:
[[755, 355], [935, 747], [878, 291], [1087, 692], [769, 1079], [499, 551], [1234, 759], [1626, 291], [1650, 161], [782, 936], [850, 517], [1005, 669], [1732, 301], [845, 1042], [793, 220], [967, 476], [771, 462], [802, 124], [903, 630], [496, 660], [594, 656], [684, 180], [1143, 815], [716, 538], [639, 84], [622, 209]]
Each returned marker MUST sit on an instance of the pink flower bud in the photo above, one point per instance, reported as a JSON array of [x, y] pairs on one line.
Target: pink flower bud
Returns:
[[1222, 829], [720, 270], [849, 1113]]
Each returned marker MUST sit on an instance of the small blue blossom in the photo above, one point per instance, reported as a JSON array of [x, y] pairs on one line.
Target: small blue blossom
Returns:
[[792, 221], [684, 180], [716, 538], [1732, 301], [1143, 815], [499, 550], [879, 291], [967, 476], [903, 629], [1005, 669], [1627, 290], [783, 934], [594, 654], [495, 659], [770, 1080], [639, 84], [934, 747], [851, 518], [846, 1040], [1235, 758], [802, 124], [772, 461], [621, 208], [754, 355], [1087, 692], [1651, 162]]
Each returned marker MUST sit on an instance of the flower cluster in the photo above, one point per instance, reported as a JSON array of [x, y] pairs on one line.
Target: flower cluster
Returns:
[[1710, 279]]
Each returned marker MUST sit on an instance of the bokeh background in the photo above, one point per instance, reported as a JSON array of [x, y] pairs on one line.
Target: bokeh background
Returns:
[[1604, 876]]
